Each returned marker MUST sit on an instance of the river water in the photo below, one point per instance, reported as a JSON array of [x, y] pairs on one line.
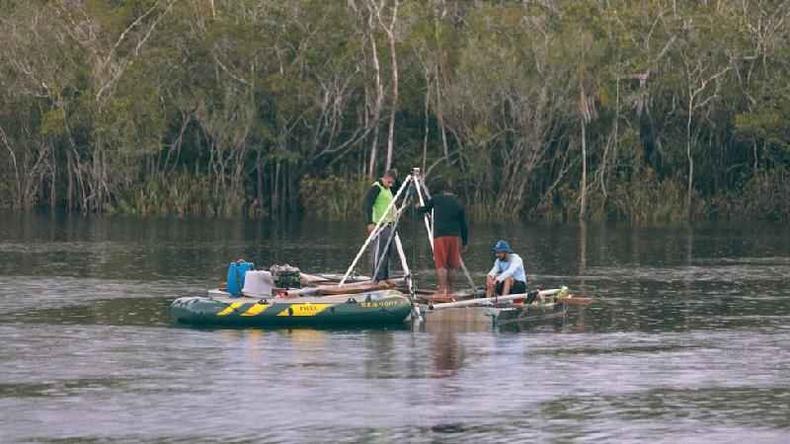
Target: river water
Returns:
[[689, 339]]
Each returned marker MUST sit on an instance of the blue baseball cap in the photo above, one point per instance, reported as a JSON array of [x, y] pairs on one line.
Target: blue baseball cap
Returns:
[[502, 247]]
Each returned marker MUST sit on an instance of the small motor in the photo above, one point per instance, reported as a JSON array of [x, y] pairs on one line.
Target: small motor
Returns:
[[286, 276]]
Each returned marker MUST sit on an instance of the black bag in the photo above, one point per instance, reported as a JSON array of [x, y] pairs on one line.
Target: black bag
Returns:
[[286, 276]]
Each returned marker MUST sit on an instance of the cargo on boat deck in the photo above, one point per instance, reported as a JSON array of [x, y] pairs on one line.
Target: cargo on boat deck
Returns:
[[236, 272], [286, 276], [258, 283], [373, 308]]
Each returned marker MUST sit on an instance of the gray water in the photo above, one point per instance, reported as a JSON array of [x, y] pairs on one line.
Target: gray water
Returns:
[[689, 339]]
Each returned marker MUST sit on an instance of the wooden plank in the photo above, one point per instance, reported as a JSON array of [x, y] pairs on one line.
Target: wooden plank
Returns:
[[359, 287], [478, 301]]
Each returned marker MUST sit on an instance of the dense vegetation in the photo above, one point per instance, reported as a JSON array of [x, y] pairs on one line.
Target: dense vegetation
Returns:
[[643, 110]]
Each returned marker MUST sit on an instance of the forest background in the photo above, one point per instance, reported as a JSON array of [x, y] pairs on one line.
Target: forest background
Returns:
[[640, 110]]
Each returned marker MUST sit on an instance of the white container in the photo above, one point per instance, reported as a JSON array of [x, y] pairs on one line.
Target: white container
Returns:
[[258, 283]]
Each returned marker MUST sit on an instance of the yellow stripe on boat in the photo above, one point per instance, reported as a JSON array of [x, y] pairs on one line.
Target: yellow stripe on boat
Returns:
[[304, 309], [230, 308], [256, 309]]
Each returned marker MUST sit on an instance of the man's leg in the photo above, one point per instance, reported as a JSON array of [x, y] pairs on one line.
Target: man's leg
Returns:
[[441, 276], [440, 262], [374, 255], [383, 254], [453, 260], [385, 264], [518, 287], [490, 286], [506, 285]]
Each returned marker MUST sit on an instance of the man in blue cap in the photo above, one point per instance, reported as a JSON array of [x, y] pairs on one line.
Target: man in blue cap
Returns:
[[508, 275]]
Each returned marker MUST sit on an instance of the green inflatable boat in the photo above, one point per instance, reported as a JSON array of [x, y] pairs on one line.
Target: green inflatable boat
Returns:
[[374, 308]]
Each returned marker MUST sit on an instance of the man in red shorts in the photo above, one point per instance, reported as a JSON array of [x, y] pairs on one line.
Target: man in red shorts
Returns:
[[450, 234]]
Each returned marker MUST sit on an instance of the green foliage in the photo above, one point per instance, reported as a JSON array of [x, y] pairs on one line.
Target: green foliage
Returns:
[[648, 200], [643, 200], [178, 194], [333, 198], [263, 106], [766, 125], [764, 197]]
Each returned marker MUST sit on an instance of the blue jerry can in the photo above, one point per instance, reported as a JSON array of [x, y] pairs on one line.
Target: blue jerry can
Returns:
[[236, 272]]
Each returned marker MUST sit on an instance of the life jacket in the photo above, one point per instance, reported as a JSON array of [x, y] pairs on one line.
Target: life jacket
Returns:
[[380, 205]]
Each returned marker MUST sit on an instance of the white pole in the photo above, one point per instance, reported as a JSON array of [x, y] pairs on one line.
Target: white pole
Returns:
[[402, 254], [418, 185], [393, 231], [510, 297], [415, 314], [375, 231]]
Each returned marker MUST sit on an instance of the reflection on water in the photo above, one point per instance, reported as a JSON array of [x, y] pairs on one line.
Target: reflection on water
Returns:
[[448, 355], [688, 340]]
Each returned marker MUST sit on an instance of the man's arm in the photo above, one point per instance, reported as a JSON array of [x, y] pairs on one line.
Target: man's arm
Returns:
[[367, 203], [494, 269], [428, 207], [513, 264]]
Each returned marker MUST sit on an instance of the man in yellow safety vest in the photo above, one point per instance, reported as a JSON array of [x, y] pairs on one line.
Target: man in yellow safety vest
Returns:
[[375, 205]]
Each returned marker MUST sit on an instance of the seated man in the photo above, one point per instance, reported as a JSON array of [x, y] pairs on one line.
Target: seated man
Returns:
[[508, 275]]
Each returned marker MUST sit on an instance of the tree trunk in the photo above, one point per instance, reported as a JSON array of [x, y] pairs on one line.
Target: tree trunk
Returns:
[[440, 116], [438, 87], [394, 62], [377, 105], [426, 111], [690, 158], [583, 186], [69, 182], [53, 176], [276, 188], [259, 181]]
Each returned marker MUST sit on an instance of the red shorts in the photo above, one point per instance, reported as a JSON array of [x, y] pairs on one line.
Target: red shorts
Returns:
[[447, 252]]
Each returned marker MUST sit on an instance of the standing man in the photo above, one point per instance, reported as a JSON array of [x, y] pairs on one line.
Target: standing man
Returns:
[[450, 234], [508, 275], [375, 205]]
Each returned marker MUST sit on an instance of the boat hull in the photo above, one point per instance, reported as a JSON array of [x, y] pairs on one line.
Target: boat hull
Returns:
[[377, 308], [527, 313]]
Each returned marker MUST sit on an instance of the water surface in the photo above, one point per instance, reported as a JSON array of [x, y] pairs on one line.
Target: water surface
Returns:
[[689, 340]]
